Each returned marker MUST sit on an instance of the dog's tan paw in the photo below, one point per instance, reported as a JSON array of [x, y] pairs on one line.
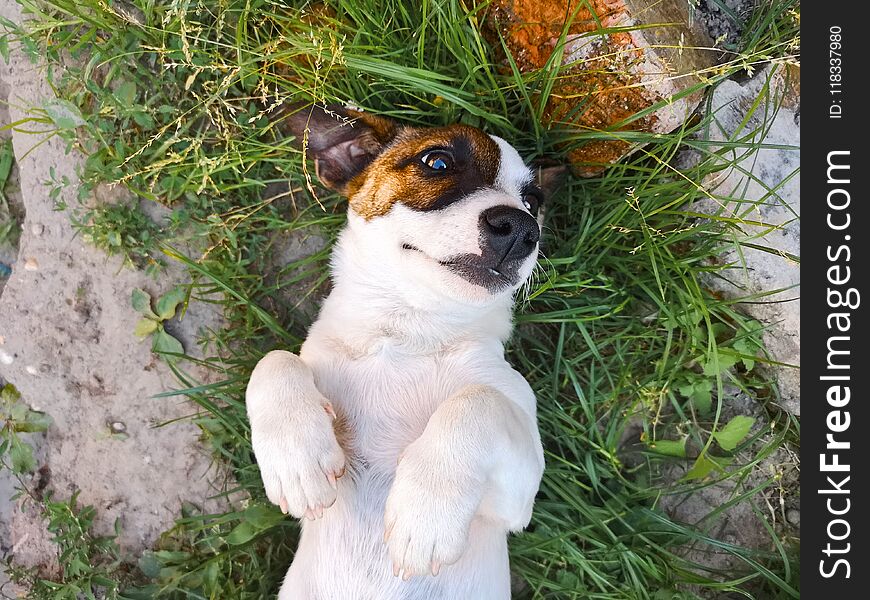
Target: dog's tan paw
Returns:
[[301, 461], [428, 514]]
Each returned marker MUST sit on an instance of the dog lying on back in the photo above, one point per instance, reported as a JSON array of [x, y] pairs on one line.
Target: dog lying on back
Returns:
[[399, 433]]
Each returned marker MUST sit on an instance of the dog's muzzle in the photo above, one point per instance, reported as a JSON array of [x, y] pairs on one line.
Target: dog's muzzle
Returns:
[[507, 237]]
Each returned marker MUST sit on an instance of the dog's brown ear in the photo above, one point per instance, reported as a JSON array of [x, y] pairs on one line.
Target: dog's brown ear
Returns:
[[342, 141], [549, 176]]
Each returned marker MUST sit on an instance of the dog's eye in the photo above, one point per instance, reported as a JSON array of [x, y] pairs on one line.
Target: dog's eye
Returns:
[[437, 160], [532, 203]]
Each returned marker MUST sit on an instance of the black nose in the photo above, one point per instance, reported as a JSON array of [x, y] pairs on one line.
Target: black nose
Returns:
[[510, 233]]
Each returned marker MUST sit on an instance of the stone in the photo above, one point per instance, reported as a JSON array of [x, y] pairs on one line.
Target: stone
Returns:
[[763, 191], [609, 76]]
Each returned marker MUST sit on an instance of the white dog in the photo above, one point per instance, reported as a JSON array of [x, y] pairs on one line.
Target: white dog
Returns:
[[400, 432]]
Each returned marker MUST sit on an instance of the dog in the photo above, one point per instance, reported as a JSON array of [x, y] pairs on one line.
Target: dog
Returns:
[[399, 433]]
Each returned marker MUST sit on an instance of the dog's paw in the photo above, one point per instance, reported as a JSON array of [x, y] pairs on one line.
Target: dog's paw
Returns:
[[428, 513], [300, 460]]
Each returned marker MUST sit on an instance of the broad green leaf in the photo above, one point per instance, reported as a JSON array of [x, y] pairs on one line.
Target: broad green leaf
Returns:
[[166, 345], [168, 302], [4, 47], [702, 396], [18, 412], [21, 455], [64, 113], [702, 467], [126, 93], [10, 394], [747, 347], [726, 360], [140, 300], [669, 447], [262, 516], [734, 432], [706, 464], [33, 421], [242, 533], [145, 327], [143, 119], [210, 574], [699, 392]]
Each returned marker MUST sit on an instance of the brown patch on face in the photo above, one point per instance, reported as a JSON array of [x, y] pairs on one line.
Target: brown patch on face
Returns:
[[398, 174]]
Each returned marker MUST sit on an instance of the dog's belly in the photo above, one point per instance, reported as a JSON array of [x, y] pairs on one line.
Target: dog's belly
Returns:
[[343, 556], [384, 403]]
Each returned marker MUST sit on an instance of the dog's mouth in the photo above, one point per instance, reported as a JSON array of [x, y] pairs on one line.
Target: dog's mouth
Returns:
[[476, 269]]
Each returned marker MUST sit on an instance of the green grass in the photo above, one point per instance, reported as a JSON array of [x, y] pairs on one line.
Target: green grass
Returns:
[[627, 351]]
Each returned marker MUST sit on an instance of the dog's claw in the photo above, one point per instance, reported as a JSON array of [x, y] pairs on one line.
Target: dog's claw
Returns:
[[318, 511], [283, 505], [309, 514], [436, 568], [395, 570], [332, 480], [329, 410], [406, 575]]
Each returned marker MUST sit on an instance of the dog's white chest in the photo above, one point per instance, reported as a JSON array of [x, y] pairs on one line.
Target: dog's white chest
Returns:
[[386, 397]]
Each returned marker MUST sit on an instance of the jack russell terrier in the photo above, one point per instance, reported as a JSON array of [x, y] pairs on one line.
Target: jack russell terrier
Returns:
[[400, 432]]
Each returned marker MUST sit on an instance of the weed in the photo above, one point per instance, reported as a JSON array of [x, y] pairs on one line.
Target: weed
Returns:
[[18, 418], [89, 565], [151, 323]]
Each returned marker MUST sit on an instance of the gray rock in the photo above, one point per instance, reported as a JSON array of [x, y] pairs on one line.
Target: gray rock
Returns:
[[763, 190]]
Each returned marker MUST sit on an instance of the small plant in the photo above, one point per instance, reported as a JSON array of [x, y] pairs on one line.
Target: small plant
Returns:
[[151, 323], [122, 229], [90, 567], [18, 418]]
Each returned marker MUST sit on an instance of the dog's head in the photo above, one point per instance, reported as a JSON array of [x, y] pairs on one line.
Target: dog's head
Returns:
[[451, 210]]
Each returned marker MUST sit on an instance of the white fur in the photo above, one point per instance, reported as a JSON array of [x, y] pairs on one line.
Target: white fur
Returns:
[[443, 455]]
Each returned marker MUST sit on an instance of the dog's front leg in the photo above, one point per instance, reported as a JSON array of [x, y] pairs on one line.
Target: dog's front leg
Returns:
[[292, 435], [480, 455]]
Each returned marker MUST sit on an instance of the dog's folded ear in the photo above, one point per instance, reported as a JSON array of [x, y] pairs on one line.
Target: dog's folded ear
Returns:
[[342, 141], [549, 176]]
